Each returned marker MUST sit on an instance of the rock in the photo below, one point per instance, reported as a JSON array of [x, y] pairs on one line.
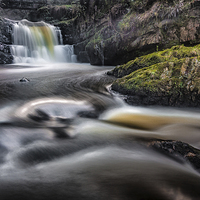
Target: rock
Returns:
[[115, 32], [5, 41], [6, 31], [169, 77], [24, 80], [6, 58], [179, 150], [83, 57]]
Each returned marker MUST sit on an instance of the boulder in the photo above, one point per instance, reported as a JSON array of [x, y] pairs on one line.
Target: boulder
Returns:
[[169, 77], [178, 150]]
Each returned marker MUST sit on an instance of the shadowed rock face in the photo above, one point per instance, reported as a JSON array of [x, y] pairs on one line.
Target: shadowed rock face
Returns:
[[5, 41], [25, 5], [114, 32], [178, 149]]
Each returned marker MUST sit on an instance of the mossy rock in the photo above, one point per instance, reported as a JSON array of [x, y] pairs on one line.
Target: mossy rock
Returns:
[[167, 77], [168, 55], [173, 74]]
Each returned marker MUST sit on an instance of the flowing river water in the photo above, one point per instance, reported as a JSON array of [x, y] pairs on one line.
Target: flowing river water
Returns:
[[65, 135]]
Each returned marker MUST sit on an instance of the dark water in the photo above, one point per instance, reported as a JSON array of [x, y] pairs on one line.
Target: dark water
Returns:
[[63, 135]]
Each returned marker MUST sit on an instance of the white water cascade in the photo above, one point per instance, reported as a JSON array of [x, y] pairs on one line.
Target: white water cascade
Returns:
[[39, 42]]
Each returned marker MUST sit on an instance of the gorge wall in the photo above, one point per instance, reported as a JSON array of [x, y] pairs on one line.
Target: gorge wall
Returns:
[[114, 32]]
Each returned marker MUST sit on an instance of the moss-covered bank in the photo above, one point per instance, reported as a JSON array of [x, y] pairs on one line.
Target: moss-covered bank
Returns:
[[169, 77]]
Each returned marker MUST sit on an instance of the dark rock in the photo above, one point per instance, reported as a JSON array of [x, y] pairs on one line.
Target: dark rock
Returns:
[[80, 47], [5, 41], [60, 133], [117, 11], [88, 114], [24, 80], [83, 57], [6, 58], [43, 115], [178, 149], [6, 31], [195, 3]]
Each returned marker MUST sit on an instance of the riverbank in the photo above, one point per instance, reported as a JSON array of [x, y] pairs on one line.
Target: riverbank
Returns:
[[112, 33], [169, 78]]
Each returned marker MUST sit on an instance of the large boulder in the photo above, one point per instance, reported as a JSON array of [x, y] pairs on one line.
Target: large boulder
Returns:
[[169, 77]]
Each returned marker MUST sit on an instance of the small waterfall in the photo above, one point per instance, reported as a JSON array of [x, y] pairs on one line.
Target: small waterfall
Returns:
[[39, 42]]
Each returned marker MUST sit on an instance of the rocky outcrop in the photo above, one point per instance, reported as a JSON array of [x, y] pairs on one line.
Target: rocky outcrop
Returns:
[[177, 149], [88, 26], [114, 32], [5, 41], [169, 77]]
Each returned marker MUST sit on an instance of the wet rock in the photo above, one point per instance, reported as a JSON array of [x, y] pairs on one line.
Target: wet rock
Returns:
[[5, 41], [6, 58], [178, 149], [83, 57], [24, 80], [88, 114], [6, 31]]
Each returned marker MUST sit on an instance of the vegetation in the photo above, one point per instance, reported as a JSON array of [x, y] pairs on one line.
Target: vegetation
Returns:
[[170, 55], [170, 71]]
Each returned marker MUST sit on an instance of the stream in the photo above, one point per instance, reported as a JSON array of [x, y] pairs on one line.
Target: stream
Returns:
[[65, 135]]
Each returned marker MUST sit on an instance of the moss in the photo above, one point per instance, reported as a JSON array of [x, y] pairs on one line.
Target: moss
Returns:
[[101, 38], [126, 23], [167, 77], [67, 22], [169, 55]]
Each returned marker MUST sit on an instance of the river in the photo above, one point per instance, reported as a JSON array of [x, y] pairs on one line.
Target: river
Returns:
[[65, 135]]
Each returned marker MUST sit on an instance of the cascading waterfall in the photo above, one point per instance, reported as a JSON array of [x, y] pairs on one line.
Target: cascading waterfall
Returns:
[[39, 42]]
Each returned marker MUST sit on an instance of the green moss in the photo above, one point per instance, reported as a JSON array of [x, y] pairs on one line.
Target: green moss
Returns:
[[67, 22], [126, 23], [170, 71], [169, 55], [101, 38]]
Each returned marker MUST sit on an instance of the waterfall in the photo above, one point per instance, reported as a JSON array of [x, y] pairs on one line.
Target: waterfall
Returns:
[[39, 42]]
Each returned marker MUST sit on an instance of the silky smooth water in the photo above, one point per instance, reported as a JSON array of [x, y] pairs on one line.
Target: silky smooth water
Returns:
[[63, 135], [39, 42]]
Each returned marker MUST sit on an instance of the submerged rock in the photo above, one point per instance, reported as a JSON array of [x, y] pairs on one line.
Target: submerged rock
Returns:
[[179, 150]]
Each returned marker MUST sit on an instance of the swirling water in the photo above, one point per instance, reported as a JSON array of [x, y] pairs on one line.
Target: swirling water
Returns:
[[63, 135]]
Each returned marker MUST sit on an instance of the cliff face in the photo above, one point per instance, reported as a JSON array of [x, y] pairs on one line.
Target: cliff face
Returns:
[[108, 32], [114, 32], [5, 41]]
